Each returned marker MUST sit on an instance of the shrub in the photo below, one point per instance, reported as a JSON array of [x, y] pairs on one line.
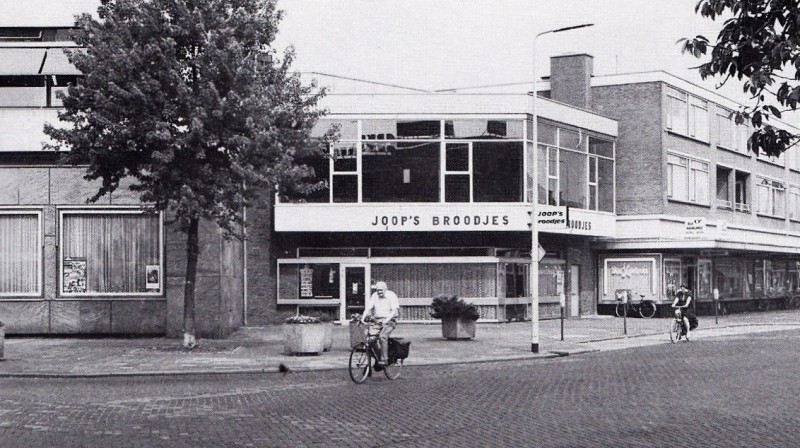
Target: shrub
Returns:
[[300, 319], [449, 307]]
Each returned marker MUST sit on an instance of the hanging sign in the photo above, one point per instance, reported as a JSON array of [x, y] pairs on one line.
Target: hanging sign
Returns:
[[695, 228]]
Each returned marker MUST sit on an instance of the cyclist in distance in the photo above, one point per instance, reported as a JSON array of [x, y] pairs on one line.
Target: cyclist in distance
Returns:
[[384, 307], [683, 301]]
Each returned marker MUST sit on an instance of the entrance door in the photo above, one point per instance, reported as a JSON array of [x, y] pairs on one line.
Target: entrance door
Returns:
[[354, 283], [574, 290]]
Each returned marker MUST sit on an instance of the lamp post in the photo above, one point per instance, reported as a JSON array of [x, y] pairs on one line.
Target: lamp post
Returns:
[[533, 280]]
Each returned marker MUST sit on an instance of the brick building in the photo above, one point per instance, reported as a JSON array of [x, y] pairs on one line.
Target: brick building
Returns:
[[694, 206]]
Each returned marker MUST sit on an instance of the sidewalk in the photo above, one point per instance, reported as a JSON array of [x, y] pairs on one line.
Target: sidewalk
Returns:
[[260, 349]]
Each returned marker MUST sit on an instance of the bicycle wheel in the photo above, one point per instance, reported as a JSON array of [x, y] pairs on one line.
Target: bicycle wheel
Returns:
[[620, 310], [392, 371], [647, 309], [675, 331], [359, 363]]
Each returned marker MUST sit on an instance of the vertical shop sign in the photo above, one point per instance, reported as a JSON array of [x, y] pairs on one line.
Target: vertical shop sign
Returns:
[[74, 274], [307, 282]]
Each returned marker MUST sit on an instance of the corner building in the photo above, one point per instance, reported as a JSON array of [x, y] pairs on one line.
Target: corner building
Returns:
[[430, 192]]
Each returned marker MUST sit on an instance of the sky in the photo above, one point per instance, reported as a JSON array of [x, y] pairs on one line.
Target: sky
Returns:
[[458, 43], [440, 44]]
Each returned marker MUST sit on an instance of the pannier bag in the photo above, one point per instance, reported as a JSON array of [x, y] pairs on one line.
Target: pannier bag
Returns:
[[398, 348]]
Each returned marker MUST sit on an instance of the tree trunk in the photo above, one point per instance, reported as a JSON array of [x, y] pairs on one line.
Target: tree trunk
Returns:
[[192, 253]]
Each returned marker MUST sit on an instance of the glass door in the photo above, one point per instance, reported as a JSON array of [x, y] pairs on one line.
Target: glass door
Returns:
[[354, 283]]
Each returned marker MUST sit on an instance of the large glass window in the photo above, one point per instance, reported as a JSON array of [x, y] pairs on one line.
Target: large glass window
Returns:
[[497, 171], [408, 172], [576, 170], [729, 275], [20, 254], [687, 179], [771, 197], [113, 253]]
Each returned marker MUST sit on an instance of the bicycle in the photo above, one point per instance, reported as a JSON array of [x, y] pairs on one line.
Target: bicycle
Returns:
[[677, 329], [645, 308], [365, 355]]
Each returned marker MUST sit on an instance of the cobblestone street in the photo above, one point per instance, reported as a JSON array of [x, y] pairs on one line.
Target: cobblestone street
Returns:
[[734, 391]]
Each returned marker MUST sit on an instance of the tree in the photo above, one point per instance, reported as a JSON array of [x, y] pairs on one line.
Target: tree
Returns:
[[187, 99], [759, 45]]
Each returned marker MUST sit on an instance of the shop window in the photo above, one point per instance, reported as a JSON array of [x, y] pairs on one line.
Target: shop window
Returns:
[[20, 253], [497, 170], [771, 197], [729, 276], [551, 280], [318, 281], [425, 280], [408, 173], [110, 253], [687, 179], [516, 280], [724, 188], [672, 278]]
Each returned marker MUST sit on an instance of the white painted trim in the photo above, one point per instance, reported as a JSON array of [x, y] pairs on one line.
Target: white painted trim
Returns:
[[30, 210], [652, 261], [110, 210]]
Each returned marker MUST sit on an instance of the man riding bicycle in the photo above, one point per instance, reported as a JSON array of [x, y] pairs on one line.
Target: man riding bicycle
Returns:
[[384, 307], [683, 302]]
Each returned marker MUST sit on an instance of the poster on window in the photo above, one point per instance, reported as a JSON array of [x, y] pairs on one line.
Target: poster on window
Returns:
[[153, 277], [307, 282], [74, 274]]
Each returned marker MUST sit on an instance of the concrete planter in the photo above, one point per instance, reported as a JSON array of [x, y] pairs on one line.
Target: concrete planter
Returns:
[[303, 339], [358, 334], [328, 336], [453, 329]]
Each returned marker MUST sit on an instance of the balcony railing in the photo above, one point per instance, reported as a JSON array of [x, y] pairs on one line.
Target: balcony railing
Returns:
[[742, 207], [722, 203]]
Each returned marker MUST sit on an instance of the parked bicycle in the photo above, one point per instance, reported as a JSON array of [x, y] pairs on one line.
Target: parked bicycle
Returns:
[[365, 355], [677, 329], [645, 308]]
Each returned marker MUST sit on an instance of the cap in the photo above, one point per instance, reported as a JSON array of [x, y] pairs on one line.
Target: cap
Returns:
[[380, 286]]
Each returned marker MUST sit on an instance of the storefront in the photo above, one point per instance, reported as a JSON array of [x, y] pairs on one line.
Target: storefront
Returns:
[[711, 257], [438, 203]]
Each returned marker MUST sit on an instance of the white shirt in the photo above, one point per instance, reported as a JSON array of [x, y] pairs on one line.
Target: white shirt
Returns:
[[386, 307]]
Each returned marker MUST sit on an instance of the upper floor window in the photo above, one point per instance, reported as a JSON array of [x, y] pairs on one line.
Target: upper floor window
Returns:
[[20, 34], [687, 114], [779, 160], [687, 179], [575, 169], [730, 135], [771, 197], [793, 207]]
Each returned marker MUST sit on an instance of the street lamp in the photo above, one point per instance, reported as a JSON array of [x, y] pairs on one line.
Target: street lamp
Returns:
[[533, 277]]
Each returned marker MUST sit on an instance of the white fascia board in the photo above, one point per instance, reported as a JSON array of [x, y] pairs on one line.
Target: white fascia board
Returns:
[[562, 113], [668, 232], [447, 104]]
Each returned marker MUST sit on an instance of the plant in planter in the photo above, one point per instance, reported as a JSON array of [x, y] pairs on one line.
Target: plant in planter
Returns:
[[458, 317], [357, 332], [303, 335]]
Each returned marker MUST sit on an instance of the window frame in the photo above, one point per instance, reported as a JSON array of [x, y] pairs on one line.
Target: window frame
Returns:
[[39, 253], [63, 211], [793, 197], [689, 119], [771, 201], [691, 181]]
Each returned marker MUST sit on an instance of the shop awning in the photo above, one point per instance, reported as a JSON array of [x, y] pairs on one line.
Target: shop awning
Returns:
[[56, 63]]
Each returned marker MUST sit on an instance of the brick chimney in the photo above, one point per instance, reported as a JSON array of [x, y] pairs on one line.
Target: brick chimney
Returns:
[[570, 79]]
